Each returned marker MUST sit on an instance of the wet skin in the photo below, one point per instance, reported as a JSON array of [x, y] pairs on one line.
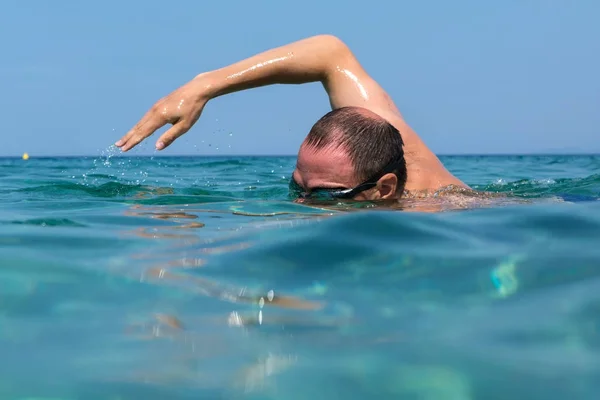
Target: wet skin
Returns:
[[324, 59]]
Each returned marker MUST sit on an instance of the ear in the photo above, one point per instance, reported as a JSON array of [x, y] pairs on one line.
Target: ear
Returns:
[[386, 186]]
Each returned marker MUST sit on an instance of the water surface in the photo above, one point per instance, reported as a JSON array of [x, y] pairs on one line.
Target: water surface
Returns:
[[190, 277]]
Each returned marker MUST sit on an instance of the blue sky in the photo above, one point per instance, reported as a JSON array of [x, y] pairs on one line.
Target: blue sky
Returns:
[[517, 76]]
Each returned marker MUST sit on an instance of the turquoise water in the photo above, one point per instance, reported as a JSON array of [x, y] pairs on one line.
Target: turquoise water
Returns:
[[188, 278]]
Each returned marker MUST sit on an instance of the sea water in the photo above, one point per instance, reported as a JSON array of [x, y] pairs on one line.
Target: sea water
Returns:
[[190, 277]]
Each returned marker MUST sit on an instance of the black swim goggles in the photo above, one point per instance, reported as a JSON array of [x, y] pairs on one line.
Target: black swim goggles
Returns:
[[297, 191]]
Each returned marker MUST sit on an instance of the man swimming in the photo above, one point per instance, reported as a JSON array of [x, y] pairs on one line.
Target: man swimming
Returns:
[[361, 150]]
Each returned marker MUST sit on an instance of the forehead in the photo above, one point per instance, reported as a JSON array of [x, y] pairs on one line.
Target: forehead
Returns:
[[323, 168]]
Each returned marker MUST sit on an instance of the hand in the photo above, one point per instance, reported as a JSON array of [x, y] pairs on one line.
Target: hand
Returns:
[[181, 108]]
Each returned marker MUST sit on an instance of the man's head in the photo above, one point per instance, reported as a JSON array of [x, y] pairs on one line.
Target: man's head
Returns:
[[351, 148]]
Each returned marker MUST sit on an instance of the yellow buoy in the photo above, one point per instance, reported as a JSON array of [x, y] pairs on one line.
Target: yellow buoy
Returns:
[[25, 156]]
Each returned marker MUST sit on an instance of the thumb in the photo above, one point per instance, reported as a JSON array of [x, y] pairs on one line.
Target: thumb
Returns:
[[173, 133]]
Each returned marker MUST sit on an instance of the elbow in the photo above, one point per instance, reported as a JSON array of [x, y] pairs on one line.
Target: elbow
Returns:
[[336, 51], [334, 44]]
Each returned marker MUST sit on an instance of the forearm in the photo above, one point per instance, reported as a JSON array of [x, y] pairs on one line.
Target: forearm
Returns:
[[304, 61], [323, 58]]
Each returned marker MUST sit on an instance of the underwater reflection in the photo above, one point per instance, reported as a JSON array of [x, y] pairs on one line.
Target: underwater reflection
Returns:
[[246, 365], [216, 290], [177, 263], [162, 232]]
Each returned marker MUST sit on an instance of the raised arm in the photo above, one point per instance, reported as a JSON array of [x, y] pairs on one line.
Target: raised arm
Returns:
[[321, 58]]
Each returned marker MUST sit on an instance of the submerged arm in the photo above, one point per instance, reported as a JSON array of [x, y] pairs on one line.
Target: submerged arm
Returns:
[[321, 58]]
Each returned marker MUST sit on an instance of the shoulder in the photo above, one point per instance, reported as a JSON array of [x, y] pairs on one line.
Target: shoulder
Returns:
[[425, 169]]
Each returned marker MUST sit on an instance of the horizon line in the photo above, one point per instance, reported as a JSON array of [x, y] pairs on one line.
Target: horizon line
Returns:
[[125, 155]]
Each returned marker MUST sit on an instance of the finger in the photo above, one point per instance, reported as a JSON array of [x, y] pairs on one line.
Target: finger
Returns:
[[142, 132], [136, 128], [149, 123], [173, 133]]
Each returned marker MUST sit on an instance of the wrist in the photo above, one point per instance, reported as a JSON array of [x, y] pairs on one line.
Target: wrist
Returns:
[[205, 86]]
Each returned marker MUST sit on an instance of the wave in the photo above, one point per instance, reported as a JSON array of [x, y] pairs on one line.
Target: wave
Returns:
[[497, 292], [46, 222], [68, 189], [584, 188], [569, 189], [394, 251]]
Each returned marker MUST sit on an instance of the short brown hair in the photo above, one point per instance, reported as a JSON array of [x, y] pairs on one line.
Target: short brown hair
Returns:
[[371, 142]]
